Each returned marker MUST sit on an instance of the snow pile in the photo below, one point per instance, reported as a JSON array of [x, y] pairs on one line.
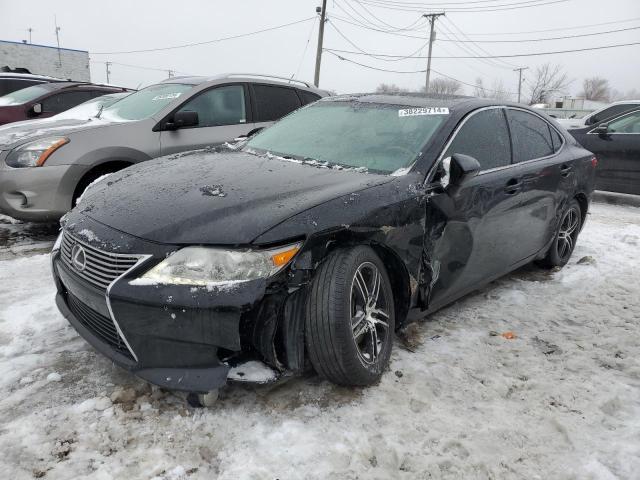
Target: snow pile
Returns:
[[558, 400]]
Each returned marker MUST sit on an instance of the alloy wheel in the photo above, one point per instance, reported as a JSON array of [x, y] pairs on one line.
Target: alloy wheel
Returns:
[[568, 233], [369, 313]]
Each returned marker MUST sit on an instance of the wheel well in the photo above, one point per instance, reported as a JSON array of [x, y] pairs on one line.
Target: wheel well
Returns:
[[584, 205], [95, 172], [399, 278]]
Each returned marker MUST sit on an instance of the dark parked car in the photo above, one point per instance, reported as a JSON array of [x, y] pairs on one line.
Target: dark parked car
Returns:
[[616, 143], [319, 238], [48, 99], [10, 82]]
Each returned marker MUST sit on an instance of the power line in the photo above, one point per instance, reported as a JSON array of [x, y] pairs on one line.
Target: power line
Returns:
[[536, 54], [544, 39], [490, 8], [377, 57], [304, 53], [476, 50], [412, 26], [576, 27], [413, 71], [185, 45], [154, 69]]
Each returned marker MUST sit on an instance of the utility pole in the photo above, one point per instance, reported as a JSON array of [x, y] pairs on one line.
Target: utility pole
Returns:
[[55, 20], [519, 70], [108, 64], [30, 30], [323, 15], [432, 36], [170, 72]]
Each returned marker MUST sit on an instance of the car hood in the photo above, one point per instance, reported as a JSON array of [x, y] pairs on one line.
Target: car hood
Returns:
[[13, 135], [571, 122], [222, 197]]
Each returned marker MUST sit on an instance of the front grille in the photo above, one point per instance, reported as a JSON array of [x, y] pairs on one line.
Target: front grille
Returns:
[[101, 268], [101, 326]]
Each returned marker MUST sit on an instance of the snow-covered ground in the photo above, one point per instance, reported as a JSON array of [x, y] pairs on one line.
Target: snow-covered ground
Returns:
[[561, 400]]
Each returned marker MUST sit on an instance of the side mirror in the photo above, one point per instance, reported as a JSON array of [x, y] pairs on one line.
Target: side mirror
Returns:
[[458, 169], [182, 120], [602, 129], [36, 109]]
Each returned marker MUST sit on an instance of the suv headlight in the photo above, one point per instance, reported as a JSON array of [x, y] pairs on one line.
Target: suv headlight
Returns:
[[207, 266], [34, 154]]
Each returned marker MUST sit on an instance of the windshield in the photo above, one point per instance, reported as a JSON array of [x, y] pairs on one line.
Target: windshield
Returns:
[[23, 96], [380, 138], [90, 108], [144, 103]]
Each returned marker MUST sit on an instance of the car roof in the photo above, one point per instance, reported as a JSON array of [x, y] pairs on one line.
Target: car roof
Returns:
[[453, 102], [62, 85], [29, 76], [244, 77]]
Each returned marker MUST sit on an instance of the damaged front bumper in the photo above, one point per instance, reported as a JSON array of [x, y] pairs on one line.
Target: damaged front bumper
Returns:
[[179, 337]]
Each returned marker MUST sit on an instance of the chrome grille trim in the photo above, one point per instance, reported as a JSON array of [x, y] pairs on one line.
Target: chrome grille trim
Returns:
[[116, 264], [102, 268]]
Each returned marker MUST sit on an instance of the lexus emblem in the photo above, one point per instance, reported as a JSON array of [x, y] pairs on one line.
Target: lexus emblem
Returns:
[[78, 257]]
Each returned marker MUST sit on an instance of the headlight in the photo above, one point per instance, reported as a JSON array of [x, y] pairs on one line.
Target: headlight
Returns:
[[206, 266], [34, 154]]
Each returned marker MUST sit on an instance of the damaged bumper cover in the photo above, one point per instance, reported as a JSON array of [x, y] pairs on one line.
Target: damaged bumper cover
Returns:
[[176, 336]]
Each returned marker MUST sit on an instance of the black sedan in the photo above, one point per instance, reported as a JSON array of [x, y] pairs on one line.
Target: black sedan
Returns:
[[317, 239], [616, 143]]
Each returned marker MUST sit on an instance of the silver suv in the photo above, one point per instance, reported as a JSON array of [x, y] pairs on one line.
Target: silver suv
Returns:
[[44, 171]]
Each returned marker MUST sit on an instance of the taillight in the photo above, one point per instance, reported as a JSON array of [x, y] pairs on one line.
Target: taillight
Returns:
[[594, 162]]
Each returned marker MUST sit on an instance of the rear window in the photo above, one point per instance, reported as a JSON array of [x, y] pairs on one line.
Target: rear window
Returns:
[[8, 85], [531, 136], [274, 102], [24, 95], [308, 97]]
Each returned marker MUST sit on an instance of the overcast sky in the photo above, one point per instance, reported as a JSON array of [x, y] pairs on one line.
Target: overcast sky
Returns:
[[119, 25]]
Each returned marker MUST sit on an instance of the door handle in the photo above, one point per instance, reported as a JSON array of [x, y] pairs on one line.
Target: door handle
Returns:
[[565, 170], [513, 186]]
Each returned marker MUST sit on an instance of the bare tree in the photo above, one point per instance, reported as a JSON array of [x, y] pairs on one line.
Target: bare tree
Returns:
[[596, 88], [445, 86], [390, 88], [547, 80], [617, 95], [497, 90], [479, 90]]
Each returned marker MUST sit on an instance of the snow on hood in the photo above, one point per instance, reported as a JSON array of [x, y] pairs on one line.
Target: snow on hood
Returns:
[[214, 198], [13, 134]]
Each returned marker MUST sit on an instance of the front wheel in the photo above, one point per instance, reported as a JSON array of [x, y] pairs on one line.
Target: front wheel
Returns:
[[350, 317], [565, 238]]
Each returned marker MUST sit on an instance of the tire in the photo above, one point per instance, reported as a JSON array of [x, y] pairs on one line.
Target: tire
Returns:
[[565, 237], [340, 326], [88, 180]]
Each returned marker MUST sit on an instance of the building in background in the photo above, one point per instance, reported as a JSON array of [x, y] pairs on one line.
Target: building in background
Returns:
[[56, 62]]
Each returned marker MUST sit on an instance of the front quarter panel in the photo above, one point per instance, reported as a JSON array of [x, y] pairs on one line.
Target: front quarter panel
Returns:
[[389, 216]]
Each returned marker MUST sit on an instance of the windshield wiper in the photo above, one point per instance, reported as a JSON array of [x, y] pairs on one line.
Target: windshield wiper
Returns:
[[100, 111]]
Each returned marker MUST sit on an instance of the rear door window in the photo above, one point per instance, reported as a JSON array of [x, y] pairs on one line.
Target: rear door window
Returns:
[[626, 124], [610, 112], [273, 102], [219, 106], [485, 137], [531, 136]]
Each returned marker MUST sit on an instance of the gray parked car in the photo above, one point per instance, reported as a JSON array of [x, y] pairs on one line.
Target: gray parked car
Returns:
[[44, 172]]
